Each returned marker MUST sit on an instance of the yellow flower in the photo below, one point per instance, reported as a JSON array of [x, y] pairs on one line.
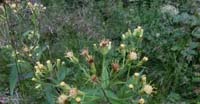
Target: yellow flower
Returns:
[[141, 101], [148, 89], [62, 99]]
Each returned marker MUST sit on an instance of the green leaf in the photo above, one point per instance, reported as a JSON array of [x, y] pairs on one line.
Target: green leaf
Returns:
[[62, 73], [13, 78], [50, 95], [105, 78], [196, 32]]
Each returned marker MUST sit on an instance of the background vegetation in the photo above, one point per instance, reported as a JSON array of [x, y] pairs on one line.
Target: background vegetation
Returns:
[[170, 40]]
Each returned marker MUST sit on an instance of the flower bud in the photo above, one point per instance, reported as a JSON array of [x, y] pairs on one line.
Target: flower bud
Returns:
[[63, 63], [138, 32], [49, 65], [141, 101], [58, 62], [94, 78], [34, 79], [130, 86], [90, 59], [62, 99], [123, 36], [30, 55], [78, 99], [144, 79], [145, 59], [29, 4], [64, 85], [19, 61], [136, 75], [122, 46], [95, 46]]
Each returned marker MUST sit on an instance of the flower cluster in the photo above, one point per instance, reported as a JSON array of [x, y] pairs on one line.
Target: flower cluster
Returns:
[[138, 32], [103, 73], [15, 7], [42, 71], [139, 85], [69, 94], [36, 7]]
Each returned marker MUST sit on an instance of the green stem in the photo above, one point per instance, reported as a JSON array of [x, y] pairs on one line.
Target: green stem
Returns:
[[105, 95]]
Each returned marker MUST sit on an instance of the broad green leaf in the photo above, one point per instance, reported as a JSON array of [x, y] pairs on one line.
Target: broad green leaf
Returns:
[[50, 95], [62, 72], [13, 78]]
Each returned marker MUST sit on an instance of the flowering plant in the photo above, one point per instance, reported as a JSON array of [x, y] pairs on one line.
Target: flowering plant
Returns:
[[110, 75]]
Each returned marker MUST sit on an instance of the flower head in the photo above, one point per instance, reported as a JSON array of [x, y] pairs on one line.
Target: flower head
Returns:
[[132, 55], [115, 67], [73, 92], [141, 101], [94, 78], [105, 46], [90, 59], [69, 54], [148, 89], [85, 52], [104, 43], [62, 99]]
